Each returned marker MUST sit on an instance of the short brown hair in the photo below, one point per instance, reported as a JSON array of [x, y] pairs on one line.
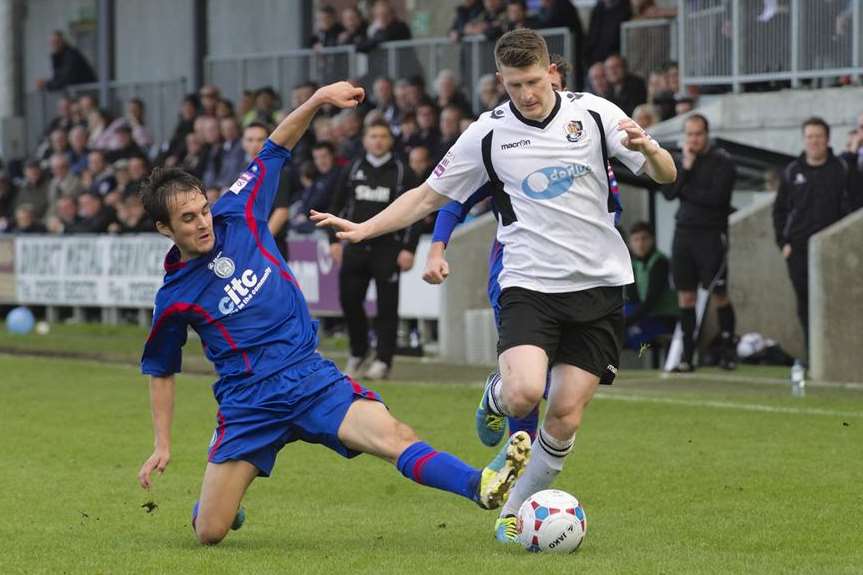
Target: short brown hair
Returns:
[[521, 48], [563, 68], [816, 121], [378, 123]]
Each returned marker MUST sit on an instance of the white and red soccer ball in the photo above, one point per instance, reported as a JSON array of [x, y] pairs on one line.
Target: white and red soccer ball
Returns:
[[551, 521]]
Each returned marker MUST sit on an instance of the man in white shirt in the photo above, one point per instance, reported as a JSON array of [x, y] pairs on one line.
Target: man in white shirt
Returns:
[[564, 264]]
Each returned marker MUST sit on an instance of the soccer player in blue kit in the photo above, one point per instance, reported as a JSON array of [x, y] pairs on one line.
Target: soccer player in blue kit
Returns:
[[224, 278]]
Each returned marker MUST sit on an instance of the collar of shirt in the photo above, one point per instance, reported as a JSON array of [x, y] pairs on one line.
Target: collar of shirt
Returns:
[[377, 162]]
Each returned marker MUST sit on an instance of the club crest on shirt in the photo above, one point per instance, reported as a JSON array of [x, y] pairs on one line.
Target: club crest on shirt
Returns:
[[242, 182], [574, 131], [222, 266]]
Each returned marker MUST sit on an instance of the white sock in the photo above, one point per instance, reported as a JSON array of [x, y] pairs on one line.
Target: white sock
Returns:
[[546, 461], [495, 397]]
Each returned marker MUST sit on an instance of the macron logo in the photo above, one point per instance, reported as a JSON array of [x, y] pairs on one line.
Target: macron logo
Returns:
[[518, 144]]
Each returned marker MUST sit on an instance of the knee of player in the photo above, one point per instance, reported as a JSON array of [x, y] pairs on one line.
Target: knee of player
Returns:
[[563, 425], [520, 400], [209, 534]]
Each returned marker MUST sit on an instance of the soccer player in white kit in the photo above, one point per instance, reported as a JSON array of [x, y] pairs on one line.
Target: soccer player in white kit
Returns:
[[564, 265]]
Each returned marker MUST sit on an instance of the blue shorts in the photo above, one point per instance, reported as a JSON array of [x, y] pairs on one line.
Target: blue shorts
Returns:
[[254, 422]]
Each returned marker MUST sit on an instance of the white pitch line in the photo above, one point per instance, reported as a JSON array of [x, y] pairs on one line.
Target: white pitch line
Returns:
[[729, 405]]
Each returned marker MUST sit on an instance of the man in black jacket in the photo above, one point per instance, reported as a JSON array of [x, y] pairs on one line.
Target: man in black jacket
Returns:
[[68, 64], [370, 184], [704, 184], [813, 194]]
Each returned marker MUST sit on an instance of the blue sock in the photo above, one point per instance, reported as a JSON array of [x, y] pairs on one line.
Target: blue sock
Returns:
[[422, 464], [195, 513], [528, 423]]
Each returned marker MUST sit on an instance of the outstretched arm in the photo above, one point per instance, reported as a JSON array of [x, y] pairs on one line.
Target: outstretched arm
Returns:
[[162, 408], [292, 128], [407, 209], [659, 163]]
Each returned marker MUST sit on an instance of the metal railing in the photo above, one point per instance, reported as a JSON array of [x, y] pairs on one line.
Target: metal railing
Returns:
[[161, 103], [470, 59], [648, 44], [737, 42]]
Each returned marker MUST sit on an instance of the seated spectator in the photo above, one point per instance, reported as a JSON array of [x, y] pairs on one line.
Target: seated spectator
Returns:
[[65, 215], [121, 174], [489, 93], [93, 216], [564, 14], [385, 27], [212, 150], [651, 303], [209, 96], [645, 115], [131, 217], [428, 133], [327, 28], [354, 25], [407, 130], [449, 94], [597, 83], [405, 101], [124, 146], [493, 13], [185, 126], [659, 95], [317, 191], [213, 195], [100, 174], [516, 17], [625, 89], [467, 11], [63, 181], [421, 164], [26, 221], [647, 9], [97, 126], [450, 130], [135, 119], [350, 139], [193, 161], [68, 64], [78, 150], [233, 159], [225, 109], [138, 170], [265, 108], [603, 34], [384, 101], [58, 143], [64, 120], [34, 189]]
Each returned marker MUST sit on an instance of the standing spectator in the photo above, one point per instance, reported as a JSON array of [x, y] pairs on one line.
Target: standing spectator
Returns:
[[372, 182], [327, 28], [93, 216], [853, 158], [68, 64], [63, 181], [449, 94], [233, 159], [66, 215], [354, 27], [516, 17], [78, 150], [603, 35], [209, 96], [102, 180], [563, 14], [493, 13], [597, 81], [626, 90], [26, 221], [651, 303], [813, 194], [450, 130], [467, 11], [705, 181], [385, 27], [34, 189]]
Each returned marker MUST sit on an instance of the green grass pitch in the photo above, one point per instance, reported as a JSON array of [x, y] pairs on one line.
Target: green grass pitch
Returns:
[[692, 475]]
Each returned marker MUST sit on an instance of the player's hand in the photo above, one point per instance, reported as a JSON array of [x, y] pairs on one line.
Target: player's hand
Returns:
[[636, 138], [336, 252], [345, 229], [157, 462], [437, 268], [405, 260], [786, 251], [341, 95]]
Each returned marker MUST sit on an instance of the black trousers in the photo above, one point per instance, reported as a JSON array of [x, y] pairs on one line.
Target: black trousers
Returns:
[[360, 265], [798, 270]]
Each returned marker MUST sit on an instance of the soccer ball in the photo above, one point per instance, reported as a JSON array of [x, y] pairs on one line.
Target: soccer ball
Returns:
[[551, 521]]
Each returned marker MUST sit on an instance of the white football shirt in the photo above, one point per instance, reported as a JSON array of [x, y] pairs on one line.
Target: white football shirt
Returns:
[[550, 190]]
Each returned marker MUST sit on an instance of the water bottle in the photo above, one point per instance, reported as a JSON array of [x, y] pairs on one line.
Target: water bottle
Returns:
[[798, 380]]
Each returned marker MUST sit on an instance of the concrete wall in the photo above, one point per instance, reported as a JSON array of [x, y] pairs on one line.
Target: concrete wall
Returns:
[[836, 301], [254, 26], [153, 39], [465, 289], [772, 120], [758, 279]]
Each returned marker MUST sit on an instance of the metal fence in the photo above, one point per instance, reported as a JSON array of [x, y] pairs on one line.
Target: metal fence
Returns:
[[736, 42], [648, 44], [161, 104], [470, 59]]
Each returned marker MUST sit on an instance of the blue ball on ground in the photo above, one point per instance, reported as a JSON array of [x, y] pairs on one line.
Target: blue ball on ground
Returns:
[[20, 321]]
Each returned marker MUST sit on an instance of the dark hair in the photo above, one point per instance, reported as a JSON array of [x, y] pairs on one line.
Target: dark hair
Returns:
[[521, 3], [378, 123], [257, 124], [268, 90], [563, 68], [160, 187], [521, 48], [695, 117], [325, 146], [639, 227], [327, 10], [193, 100], [312, 85], [816, 121]]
